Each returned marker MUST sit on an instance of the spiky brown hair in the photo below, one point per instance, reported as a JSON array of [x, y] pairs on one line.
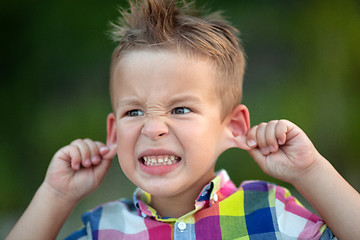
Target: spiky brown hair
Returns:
[[169, 24]]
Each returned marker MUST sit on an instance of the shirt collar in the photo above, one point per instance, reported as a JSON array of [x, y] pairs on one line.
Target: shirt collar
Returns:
[[215, 191]]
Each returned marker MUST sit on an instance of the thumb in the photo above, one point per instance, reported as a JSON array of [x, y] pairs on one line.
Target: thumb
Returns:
[[240, 142], [110, 154], [258, 157], [101, 170]]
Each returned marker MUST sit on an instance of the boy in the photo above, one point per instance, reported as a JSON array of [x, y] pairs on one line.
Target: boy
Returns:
[[175, 89]]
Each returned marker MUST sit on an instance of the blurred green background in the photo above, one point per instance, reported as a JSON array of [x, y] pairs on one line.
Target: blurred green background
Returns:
[[303, 65]]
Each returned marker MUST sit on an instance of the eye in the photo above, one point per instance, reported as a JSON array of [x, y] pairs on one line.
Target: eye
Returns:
[[180, 110], [134, 113]]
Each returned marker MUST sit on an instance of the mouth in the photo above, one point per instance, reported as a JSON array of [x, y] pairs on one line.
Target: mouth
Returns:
[[161, 160]]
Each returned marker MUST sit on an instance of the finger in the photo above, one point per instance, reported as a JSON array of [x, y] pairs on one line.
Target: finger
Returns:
[[70, 154], [101, 169], [103, 149], [251, 137], [84, 151], [94, 151], [270, 136], [280, 131], [111, 153], [261, 139], [258, 157]]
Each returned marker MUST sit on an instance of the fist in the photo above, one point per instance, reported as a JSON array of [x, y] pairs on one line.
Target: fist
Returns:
[[281, 149], [79, 168]]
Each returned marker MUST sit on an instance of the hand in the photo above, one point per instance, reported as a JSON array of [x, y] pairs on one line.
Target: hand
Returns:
[[79, 168], [281, 149]]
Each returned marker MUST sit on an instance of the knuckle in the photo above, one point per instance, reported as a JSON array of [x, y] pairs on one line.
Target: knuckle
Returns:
[[250, 134], [76, 141], [99, 144], [72, 148], [263, 124], [273, 122], [282, 121]]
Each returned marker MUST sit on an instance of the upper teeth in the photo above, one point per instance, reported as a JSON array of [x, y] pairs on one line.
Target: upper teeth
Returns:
[[160, 160]]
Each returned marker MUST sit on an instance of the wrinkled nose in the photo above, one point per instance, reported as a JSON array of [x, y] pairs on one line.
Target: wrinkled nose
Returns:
[[155, 129]]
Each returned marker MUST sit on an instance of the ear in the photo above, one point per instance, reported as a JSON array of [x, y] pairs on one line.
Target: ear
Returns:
[[239, 124], [111, 129]]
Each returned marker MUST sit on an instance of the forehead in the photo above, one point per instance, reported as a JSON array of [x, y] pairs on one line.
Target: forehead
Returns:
[[154, 74]]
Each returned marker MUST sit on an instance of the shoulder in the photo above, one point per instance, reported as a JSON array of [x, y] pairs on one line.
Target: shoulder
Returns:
[[276, 195], [290, 218], [260, 186], [116, 210], [110, 218]]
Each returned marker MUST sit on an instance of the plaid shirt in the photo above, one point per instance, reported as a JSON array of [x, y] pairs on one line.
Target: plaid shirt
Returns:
[[256, 210]]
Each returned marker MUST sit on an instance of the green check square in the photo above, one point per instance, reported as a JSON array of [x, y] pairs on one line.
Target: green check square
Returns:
[[233, 227], [255, 200]]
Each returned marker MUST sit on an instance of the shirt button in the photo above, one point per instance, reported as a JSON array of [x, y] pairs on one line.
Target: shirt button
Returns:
[[182, 226], [215, 197]]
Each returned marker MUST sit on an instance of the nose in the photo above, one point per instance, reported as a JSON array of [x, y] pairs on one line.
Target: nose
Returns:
[[155, 129]]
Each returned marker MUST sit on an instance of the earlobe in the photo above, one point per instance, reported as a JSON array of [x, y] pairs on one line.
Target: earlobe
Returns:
[[239, 125], [111, 129]]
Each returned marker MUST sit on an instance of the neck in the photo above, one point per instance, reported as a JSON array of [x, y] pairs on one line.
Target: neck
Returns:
[[180, 204]]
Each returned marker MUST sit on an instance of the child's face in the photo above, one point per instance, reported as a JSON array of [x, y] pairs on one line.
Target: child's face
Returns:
[[167, 121]]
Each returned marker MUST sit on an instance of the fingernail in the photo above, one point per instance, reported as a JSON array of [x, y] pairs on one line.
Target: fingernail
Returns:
[[265, 151], [102, 149], [95, 159], [272, 149], [76, 167], [251, 143], [87, 162]]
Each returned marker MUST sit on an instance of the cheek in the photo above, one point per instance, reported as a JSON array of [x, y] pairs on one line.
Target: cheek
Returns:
[[200, 132], [200, 140], [127, 136], [126, 132], [126, 141], [203, 140]]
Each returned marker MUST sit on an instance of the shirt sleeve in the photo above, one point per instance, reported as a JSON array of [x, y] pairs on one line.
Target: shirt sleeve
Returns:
[[91, 222], [78, 235], [295, 221], [109, 221]]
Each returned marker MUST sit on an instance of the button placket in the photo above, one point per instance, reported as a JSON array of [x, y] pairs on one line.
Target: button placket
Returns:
[[181, 226], [215, 197]]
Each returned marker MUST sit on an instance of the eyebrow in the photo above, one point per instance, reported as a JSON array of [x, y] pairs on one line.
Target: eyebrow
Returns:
[[126, 104], [131, 101], [184, 98], [134, 101]]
